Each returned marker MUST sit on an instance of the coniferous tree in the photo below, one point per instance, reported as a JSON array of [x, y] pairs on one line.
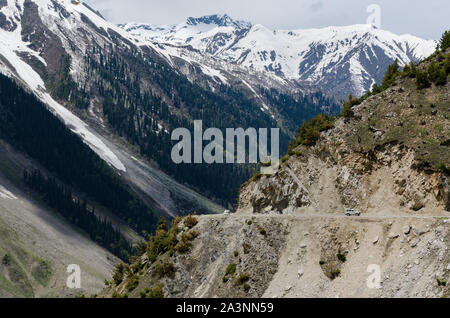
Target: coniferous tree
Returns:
[[444, 43]]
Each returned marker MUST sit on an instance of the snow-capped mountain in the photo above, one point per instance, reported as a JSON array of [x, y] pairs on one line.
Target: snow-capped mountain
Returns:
[[50, 47], [339, 60], [107, 85]]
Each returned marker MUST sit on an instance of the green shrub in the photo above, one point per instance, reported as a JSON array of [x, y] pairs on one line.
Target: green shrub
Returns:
[[422, 80], [256, 176], [118, 274], [441, 78], [444, 43], [231, 269], [249, 222], [444, 168], [183, 247], [236, 253], [243, 278], [165, 270], [433, 71], [155, 292], [391, 75], [268, 164], [441, 282], [6, 261], [246, 287], [162, 242], [335, 273], [190, 221], [341, 257], [262, 231], [411, 70], [133, 282], [347, 112], [284, 158], [309, 132], [447, 64], [321, 262]]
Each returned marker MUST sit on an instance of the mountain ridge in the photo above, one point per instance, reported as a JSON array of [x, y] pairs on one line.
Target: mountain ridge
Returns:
[[319, 56]]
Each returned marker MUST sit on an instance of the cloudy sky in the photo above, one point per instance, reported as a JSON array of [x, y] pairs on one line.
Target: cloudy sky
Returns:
[[427, 19]]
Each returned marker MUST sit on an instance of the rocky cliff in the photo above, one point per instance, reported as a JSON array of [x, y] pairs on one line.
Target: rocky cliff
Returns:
[[387, 156]]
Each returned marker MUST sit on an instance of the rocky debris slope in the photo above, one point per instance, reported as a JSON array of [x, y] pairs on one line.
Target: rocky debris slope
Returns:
[[293, 256]]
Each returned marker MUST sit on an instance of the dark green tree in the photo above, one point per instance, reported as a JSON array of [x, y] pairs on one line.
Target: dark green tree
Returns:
[[444, 43]]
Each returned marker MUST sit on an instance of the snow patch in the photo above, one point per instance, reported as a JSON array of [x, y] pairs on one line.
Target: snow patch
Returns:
[[5, 194], [312, 55], [11, 44]]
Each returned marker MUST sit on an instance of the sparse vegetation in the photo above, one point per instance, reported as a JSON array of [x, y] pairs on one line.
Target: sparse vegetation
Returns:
[[284, 158], [6, 261], [185, 245], [340, 256], [441, 282], [390, 76], [444, 43], [231, 269], [163, 241], [262, 231], [444, 168], [165, 269], [118, 274], [42, 272], [335, 273], [190, 221], [347, 111], [309, 132], [132, 283], [243, 278], [256, 176], [155, 292]]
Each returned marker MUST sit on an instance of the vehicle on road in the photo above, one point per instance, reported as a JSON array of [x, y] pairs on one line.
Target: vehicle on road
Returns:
[[226, 212], [352, 212]]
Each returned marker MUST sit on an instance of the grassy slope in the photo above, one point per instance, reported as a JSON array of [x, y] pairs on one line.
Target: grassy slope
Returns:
[[420, 122]]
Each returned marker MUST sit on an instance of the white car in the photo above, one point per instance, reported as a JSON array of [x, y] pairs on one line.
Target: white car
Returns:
[[226, 212], [352, 212]]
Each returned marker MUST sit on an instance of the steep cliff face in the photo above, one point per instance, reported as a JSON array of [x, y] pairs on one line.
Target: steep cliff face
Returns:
[[248, 255], [382, 161]]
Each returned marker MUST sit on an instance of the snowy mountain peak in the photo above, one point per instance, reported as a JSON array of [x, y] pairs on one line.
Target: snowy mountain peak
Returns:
[[221, 20], [337, 59]]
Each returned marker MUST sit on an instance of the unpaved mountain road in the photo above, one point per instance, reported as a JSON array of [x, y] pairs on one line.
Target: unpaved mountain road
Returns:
[[332, 216]]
